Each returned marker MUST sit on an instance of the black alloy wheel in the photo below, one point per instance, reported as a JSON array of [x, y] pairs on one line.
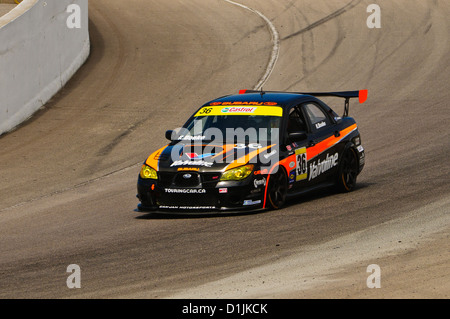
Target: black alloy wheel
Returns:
[[348, 171], [277, 189]]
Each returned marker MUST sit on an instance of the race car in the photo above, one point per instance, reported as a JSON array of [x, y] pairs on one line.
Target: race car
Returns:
[[252, 151]]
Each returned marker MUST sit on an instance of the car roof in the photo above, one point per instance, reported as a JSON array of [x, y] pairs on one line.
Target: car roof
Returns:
[[282, 99]]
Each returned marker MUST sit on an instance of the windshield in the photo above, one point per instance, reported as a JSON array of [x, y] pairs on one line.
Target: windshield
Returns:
[[234, 123], [233, 128]]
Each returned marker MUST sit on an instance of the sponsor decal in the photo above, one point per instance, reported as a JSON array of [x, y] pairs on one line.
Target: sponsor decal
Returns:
[[302, 165], [259, 182], [362, 156], [191, 163], [320, 124], [185, 190], [292, 176], [238, 109], [322, 166], [222, 109], [188, 169], [191, 138], [187, 207], [243, 103], [248, 202]]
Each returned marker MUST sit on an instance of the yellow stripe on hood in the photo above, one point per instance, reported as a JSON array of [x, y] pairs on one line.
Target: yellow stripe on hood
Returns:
[[153, 159]]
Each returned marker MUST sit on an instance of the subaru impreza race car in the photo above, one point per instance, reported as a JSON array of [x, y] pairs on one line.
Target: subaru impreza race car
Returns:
[[252, 151]]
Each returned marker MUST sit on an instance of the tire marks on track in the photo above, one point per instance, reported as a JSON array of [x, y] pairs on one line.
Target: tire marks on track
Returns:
[[337, 44], [275, 44], [329, 17]]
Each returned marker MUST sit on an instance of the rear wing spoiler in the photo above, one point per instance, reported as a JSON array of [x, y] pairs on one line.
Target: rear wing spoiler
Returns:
[[347, 95]]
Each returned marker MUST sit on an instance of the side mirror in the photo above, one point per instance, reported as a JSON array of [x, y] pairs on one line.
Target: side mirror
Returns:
[[174, 135], [169, 135], [298, 136]]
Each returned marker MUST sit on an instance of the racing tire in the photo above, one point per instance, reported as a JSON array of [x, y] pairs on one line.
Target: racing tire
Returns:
[[348, 171], [277, 189]]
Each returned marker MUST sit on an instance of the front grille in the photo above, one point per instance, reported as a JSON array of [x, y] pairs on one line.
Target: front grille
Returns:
[[167, 179], [187, 179]]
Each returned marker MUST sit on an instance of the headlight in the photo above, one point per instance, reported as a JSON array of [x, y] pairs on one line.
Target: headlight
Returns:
[[237, 174], [148, 173]]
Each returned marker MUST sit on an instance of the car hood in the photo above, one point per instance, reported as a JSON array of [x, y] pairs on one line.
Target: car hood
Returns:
[[208, 157]]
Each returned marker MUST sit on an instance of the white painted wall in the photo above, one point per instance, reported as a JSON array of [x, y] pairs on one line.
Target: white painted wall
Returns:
[[38, 55]]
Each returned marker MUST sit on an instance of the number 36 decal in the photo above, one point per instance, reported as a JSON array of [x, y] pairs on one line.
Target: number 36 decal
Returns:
[[302, 166]]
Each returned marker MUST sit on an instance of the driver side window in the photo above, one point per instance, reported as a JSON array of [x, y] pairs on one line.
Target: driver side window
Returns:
[[296, 122]]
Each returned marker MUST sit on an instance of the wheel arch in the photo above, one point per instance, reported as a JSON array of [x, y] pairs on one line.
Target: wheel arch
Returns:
[[279, 166]]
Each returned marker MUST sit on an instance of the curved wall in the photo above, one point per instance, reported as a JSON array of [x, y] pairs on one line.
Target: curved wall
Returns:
[[39, 53]]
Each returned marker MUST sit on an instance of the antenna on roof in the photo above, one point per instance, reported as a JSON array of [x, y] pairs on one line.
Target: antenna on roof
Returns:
[[262, 91]]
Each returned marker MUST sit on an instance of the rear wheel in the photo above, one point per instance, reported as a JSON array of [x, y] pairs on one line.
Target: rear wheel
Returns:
[[277, 189], [348, 171]]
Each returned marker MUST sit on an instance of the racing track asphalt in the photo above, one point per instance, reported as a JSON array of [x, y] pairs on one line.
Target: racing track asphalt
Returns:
[[68, 175]]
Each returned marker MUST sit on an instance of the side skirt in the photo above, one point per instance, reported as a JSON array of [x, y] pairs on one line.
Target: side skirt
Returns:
[[302, 191]]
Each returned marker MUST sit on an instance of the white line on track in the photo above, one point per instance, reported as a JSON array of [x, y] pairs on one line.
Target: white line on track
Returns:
[[275, 46], [261, 82]]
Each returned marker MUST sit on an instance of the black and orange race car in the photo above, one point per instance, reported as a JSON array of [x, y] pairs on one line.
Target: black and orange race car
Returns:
[[251, 151]]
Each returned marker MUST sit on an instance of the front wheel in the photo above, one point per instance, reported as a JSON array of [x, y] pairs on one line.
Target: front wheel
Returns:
[[277, 189], [348, 171]]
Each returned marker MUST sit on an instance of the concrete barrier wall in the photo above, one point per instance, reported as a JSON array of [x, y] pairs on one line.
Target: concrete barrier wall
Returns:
[[39, 53]]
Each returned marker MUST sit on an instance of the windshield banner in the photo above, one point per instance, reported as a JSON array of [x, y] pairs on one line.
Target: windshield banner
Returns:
[[240, 110]]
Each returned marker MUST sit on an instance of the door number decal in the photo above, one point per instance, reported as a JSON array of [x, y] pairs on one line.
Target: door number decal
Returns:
[[302, 166]]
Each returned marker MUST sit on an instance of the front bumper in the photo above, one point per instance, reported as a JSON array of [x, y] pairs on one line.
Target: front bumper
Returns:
[[222, 196]]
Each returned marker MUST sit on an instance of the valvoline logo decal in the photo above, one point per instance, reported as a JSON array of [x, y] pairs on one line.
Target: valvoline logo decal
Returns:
[[242, 109]]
